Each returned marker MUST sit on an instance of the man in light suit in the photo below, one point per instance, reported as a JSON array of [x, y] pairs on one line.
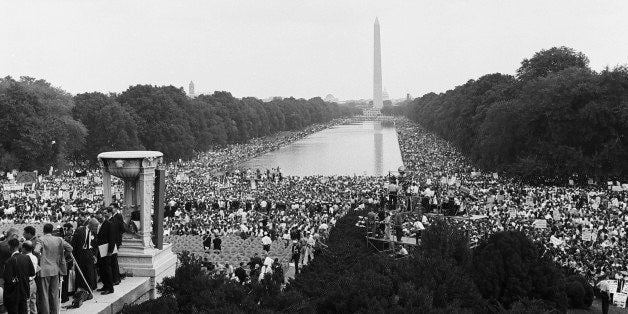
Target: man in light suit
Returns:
[[53, 265]]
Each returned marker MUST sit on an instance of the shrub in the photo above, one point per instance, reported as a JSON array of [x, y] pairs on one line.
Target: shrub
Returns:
[[579, 292], [508, 267]]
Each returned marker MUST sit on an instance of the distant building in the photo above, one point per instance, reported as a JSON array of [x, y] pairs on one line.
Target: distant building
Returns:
[[408, 97], [331, 98], [372, 112], [191, 90], [385, 95]]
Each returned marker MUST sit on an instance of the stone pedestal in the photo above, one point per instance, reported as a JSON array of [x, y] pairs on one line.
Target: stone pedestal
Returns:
[[137, 255], [147, 262]]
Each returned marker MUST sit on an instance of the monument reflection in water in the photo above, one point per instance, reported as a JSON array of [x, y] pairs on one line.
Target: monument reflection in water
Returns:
[[362, 148]]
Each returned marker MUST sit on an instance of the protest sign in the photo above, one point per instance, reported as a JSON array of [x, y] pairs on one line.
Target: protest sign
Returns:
[[586, 235], [495, 176], [612, 286], [593, 235], [620, 299], [13, 186], [540, 223]]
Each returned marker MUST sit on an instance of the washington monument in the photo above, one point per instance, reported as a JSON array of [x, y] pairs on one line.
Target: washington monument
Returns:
[[377, 70]]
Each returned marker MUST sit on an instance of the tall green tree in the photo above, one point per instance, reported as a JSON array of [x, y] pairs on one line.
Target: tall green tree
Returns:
[[37, 128], [549, 61], [110, 127]]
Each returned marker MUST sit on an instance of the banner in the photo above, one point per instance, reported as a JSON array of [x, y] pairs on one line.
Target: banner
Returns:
[[13, 186], [540, 223], [28, 177]]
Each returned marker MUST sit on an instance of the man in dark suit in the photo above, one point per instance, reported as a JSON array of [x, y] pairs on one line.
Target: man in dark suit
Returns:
[[117, 223], [106, 241], [5, 249], [207, 243], [255, 260], [84, 254], [240, 272], [217, 243], [18, 268]]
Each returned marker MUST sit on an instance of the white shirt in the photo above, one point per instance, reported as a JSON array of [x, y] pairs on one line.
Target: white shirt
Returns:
[[35, 264]]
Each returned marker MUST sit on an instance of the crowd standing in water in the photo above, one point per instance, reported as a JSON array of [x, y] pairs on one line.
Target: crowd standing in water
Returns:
[[581, 228]]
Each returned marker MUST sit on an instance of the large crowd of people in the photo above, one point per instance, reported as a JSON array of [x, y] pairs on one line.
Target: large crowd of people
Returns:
[[206, 196], [581, 227]]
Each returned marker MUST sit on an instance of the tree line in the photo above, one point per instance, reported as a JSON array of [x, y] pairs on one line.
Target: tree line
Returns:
[[555, 120], [43, 126]]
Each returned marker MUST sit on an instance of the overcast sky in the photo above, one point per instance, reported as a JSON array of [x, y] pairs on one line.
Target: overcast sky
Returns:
[[296, 48]]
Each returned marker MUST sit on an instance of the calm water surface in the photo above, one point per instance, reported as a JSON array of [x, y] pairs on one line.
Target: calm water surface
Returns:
[[361, 148]]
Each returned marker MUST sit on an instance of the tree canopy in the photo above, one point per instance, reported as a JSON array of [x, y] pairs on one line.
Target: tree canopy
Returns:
[[557, 120], [44, 126]]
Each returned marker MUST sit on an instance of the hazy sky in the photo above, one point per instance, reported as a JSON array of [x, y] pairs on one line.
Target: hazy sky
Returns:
[[296, 48]]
